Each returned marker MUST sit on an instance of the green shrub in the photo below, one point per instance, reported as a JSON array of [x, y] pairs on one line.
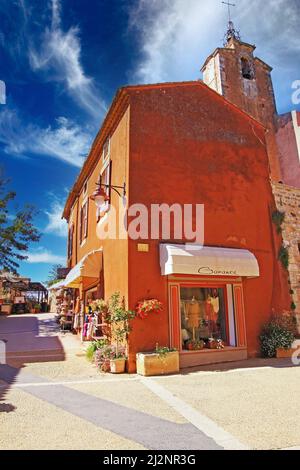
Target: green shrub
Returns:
[[278, 219], [279, 333], [93, 347], [90, 351], [284, 257]]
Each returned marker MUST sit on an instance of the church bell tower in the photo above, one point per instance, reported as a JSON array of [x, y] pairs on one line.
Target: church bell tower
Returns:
[[234, 72]]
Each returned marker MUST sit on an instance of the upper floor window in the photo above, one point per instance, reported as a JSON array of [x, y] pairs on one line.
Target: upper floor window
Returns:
[[106, 150], [85, 187], [70, 241], [105, 181], [247, 69], [84, 213]]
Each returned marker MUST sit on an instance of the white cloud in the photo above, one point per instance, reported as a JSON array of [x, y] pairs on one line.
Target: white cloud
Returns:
[[176, 36], [65, 141], [56, 225], [44, 256], [172, 34], [59, 56]]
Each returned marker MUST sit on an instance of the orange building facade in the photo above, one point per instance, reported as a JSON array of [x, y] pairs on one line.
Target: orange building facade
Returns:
[[182, 143]]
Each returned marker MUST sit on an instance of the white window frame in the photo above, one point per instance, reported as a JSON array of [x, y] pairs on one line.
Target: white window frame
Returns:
[[107, 157], [106, 206]]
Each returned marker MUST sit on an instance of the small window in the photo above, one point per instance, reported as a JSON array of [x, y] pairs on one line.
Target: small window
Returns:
[[70, 241], [105, 181], [106, 150], [84, 221], [85, 187], [247, 70]]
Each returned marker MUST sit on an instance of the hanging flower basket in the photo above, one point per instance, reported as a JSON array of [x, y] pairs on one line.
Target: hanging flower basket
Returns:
[[146, 307]]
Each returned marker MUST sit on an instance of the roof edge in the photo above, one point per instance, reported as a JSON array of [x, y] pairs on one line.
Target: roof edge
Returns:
[[116, 110]]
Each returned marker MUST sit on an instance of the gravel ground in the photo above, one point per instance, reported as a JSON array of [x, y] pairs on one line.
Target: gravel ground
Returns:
[[257, 404], [260, 407], [133, 395], [73, 368], [36, 425]]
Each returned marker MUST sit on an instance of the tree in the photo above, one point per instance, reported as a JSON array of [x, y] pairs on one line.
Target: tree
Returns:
[[16, 232], [52, 277]]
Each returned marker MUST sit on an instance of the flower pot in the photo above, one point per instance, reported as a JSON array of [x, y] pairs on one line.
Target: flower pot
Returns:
[[212, 345], [117, 366], [151, 364], [6, 309], [105, 367], [282, 353]]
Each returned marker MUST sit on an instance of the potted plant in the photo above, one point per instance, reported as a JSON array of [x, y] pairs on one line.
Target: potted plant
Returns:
[[212, 344], [278, 335], [146, 307], [195, 345], [6, 308], [37, 308], [162, 361], [119, 319], [103, 355]]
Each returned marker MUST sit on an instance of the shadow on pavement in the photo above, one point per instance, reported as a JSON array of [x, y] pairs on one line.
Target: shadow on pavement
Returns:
[[28, 340], [256, 363]]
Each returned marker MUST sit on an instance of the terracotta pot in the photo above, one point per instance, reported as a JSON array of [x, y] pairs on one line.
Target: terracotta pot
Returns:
[[105, 367], [212, 345], [117, 366], [6, 309], [282, 353]]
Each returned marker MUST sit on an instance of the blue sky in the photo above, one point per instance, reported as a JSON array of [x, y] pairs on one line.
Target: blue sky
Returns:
[[62, 61]]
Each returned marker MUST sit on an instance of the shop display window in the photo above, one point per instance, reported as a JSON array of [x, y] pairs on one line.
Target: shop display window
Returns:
[[203, 318]]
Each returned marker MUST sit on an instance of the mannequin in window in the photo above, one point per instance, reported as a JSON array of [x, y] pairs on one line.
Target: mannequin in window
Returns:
[[212, 308], [193, 311]]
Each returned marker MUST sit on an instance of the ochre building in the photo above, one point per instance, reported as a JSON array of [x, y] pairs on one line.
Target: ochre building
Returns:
[[212, 142]]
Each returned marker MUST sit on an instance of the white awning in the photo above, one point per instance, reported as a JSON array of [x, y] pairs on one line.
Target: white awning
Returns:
[[207, 261], [90, 266], [57, 285]]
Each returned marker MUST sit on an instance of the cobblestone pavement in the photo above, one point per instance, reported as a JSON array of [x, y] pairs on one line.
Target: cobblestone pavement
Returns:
[[58, 400]]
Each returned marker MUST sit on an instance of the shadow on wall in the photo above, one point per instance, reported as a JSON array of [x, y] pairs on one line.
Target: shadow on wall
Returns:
[[25, 340]]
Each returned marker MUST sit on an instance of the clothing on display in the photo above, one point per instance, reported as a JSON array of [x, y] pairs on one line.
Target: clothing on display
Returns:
[[203, 315]]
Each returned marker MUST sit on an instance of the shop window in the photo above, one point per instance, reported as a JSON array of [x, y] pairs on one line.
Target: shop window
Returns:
[[70, 241], [247, 70], [203, 316], [84, 222]]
